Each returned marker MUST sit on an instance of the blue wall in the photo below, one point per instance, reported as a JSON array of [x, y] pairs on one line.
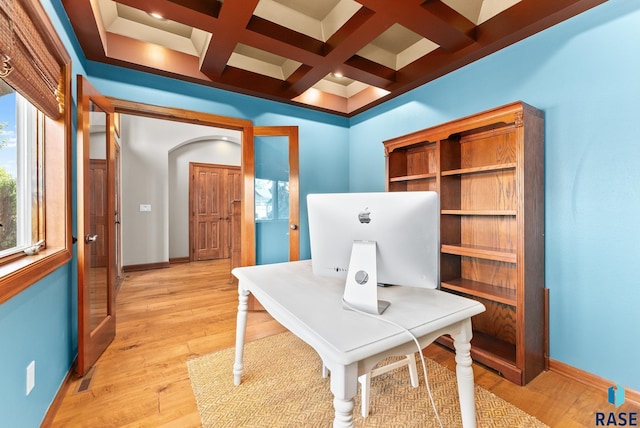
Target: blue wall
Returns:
[[35, 325], [585, 75], [40, 324]]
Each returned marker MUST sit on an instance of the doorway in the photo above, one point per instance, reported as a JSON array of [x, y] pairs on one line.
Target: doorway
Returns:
[[244, 209], [96, 332]]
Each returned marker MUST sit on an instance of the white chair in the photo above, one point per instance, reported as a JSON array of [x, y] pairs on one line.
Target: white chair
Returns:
[[365, 379]]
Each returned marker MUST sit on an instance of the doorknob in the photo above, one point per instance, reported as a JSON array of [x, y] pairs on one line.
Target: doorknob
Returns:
[[293, 227], [90, 238]]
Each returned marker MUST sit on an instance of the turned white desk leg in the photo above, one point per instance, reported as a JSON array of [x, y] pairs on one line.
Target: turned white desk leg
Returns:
[[344, 385], [241, 326], [464, 373]]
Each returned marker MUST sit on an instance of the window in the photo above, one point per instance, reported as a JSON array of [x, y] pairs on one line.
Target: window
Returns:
[[21, 184], [272, 199], [35, 147]]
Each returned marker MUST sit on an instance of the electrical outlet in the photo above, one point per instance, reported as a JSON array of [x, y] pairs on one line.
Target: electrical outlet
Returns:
[[145, 207], [31, 376]]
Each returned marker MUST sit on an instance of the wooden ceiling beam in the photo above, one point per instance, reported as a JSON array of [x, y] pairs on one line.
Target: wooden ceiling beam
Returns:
[[356, 33], [432, 20], [86, 29], [253, 83], [450, 19], [520, 21], [203, 7], [232, 22], [279, 40], [529, 17], [310, 52], [369, 72], [194, 13], [134, 54]]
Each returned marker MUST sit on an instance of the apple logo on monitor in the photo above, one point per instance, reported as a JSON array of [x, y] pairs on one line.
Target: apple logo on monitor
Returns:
[[364, 216]]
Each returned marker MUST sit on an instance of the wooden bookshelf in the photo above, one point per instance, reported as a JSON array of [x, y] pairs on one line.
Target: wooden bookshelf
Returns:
[[488, 170]]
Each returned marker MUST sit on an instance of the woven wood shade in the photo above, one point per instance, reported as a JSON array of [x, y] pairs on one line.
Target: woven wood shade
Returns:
[[29, 63]]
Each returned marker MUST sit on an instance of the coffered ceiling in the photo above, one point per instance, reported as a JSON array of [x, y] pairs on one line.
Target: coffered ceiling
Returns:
[[340, 56]]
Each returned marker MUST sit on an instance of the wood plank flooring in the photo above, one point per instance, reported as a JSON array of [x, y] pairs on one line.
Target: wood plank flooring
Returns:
[[167, 316]]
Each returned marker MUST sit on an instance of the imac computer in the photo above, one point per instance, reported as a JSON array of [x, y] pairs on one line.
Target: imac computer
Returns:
[[375, 239]]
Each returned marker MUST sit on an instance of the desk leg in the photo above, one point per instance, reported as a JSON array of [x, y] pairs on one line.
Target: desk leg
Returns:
[[241, 326], [464, 373], [344, 385]]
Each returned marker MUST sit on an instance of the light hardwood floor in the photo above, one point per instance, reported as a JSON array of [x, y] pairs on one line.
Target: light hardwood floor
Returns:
[[167, 316]]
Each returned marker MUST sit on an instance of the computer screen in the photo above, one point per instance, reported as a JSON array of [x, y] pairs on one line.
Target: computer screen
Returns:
[[405, 227]]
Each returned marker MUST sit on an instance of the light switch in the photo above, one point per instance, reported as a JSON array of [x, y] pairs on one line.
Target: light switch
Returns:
[[145, 207], [31, 376]]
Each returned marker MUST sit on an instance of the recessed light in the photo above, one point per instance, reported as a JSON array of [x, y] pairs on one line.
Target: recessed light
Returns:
[[156, 15], [337, 75]]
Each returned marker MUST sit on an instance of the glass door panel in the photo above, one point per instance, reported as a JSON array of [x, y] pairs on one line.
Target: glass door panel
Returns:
[[96, 239], [96, 189], [272, 174]]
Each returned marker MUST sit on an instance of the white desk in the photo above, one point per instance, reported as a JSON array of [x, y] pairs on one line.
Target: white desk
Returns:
[[351, 344]]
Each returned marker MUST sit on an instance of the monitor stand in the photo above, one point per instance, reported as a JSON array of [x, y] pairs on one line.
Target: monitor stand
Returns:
[[361, 288]]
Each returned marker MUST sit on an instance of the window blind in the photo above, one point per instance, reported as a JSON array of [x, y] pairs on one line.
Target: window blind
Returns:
[[28, 58]]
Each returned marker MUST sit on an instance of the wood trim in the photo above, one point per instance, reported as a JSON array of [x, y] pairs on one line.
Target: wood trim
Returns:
[[590, 379], [546, 329], [53, 198], [508, 114], [176, 260], [178, 115], [146, 266], [20, 274], [247, 222], [294, 190]]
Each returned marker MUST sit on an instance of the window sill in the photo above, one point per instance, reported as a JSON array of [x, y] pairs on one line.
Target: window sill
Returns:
[[19, 274]]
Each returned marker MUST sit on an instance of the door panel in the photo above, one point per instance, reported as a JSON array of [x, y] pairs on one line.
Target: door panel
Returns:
[[96, 221], [276, 194], [213, 187], [98, 209], [208, 214]]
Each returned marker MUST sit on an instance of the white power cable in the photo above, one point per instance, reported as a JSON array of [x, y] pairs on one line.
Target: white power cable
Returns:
[[415, 339]]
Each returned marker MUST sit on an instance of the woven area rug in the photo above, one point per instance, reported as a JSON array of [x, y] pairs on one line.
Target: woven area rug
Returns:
[[282, 386]]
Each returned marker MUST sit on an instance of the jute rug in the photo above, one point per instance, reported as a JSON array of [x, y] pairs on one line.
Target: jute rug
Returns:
[[282, 386]]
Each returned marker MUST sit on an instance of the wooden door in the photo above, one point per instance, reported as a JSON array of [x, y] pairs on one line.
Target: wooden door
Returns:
[[212, 188], [96, 190]]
